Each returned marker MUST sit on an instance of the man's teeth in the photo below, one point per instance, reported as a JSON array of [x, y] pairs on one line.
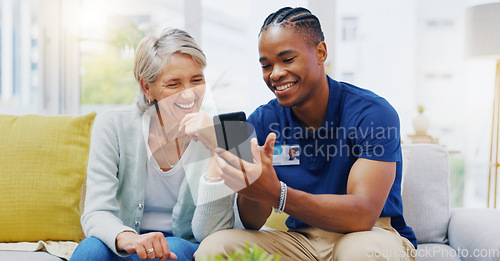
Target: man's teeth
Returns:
[[185, 106], [284, 87]]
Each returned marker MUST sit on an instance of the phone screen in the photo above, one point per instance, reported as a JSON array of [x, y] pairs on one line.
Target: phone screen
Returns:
[[234, 133]]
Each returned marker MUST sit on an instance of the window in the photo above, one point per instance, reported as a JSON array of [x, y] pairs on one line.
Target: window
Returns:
[[349, 28], [348, 77], [110, 32], [432, 76], [39, 44], [19, 85], [436, 24]]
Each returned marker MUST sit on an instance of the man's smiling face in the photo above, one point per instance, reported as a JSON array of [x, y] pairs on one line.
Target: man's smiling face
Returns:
[[289, 65]]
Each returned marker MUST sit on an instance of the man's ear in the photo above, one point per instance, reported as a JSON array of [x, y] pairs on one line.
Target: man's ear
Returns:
[[145, 88], [321, 52]]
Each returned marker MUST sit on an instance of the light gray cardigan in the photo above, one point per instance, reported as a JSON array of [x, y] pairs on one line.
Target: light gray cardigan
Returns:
[[116, 184]]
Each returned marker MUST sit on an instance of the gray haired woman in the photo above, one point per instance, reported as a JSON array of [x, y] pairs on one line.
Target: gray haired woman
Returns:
[[153, 190]]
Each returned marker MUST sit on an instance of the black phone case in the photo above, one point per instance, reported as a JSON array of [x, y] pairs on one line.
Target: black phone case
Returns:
[[234, 133]]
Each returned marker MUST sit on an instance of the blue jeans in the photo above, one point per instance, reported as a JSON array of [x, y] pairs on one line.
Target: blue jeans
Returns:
[[93, 249]]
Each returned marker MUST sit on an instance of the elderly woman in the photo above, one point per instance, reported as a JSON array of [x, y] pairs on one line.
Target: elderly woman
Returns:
[[153, 191]]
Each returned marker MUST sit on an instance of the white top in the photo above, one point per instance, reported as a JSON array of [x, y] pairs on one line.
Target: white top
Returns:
[[162, 192]]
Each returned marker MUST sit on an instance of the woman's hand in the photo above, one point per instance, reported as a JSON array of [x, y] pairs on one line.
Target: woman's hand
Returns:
[[133, 243], [200, 127]]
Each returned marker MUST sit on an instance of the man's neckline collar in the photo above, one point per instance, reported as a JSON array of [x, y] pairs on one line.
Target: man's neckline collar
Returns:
[[332, 118]]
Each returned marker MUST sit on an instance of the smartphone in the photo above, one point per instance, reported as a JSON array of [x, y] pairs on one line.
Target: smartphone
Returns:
[[234, 133]]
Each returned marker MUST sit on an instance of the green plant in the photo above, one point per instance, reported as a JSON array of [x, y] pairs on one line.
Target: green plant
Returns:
[[420, 109], [107, 75], [108, 79], [254, 253], [457, 179]]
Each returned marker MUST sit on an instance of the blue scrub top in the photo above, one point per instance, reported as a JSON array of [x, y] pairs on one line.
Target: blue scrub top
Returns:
[[358, 124]]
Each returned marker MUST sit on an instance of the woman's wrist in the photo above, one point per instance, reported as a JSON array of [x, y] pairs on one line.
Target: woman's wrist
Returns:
[[212, 179], [123, 238], [212, 174]]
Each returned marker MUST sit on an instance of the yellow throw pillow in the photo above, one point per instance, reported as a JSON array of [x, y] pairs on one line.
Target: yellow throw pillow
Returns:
[[277, 221], [43, 163]]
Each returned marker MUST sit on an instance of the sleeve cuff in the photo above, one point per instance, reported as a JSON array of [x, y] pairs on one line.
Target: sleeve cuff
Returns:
[[212, 191]]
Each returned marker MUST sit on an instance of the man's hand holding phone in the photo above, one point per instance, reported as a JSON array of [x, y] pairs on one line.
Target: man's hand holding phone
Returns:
[[234, 133], [264, 185]]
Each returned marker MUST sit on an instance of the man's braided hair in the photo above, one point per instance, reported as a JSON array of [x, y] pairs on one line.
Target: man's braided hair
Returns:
[[300, 19]]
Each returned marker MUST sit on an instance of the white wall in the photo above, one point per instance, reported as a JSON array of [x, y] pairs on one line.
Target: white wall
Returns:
[[229, 38], [383, 56], [411, 53]]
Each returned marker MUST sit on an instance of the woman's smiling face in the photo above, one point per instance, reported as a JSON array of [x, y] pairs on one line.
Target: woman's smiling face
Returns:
[[180, 88]]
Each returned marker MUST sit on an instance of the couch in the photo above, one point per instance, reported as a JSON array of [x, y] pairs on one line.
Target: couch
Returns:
[[42, 171], [444, 233]]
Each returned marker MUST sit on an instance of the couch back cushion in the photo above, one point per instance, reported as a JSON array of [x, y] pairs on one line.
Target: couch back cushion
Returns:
[[43, 161], [426, 191]]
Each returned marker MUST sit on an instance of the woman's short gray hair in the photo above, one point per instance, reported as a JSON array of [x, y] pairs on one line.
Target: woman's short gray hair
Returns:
[[152, 55]]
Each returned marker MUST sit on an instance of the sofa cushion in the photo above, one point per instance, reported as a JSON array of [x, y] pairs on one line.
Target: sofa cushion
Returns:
[[433, 252], [21, 255], [426, 191], [44, 160], [476, 233], [277, 221]]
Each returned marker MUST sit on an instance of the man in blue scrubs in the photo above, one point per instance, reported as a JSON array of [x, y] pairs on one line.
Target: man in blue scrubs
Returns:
[[344, 197]]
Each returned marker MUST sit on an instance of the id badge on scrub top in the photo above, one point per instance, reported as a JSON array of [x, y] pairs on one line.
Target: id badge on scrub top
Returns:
[[286, 155]]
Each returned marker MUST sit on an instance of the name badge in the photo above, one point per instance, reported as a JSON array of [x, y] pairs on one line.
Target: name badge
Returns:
[[286, 155]]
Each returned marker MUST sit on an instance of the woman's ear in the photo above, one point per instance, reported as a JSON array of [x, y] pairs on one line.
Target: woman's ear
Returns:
[[145, 88], [321, 52]]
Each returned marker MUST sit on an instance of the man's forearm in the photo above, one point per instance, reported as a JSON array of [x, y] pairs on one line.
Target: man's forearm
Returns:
[[368, 187], [335, 213], [253, 214]]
